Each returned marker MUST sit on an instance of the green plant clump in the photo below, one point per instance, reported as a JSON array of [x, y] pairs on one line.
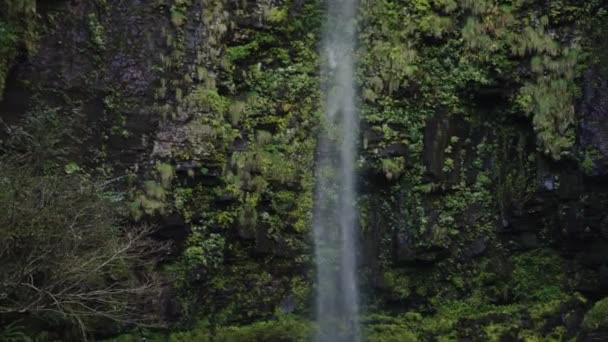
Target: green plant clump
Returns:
[[597, 317]]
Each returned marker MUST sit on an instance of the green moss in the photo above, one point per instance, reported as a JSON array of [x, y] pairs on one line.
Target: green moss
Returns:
[[207, 100], [390, 333], [398, 284], [497, 40], [97, 32], [464, 66], [587, 165], [550, 102], [178, 16], [443, 58], [19, 28], [276, 15], [597, 317], [166, 173], [262, 196], [152, 197], [393, 168], [537, 275], [588, 159], [284, 329], [236, 53]]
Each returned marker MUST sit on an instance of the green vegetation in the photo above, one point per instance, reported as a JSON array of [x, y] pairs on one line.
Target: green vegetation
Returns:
[[537, 276], [597, 317], [153, 198], [284, 329], [491, 307], [18, 30], [251, 111], [66, 256], [492, 42], [201, 116], [448, 84], [8, 51], [97, 32]]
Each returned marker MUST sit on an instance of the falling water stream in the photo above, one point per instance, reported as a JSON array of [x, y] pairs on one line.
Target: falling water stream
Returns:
[[337, 300]]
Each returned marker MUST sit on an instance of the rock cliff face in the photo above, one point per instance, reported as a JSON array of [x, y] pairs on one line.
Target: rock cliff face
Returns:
[[483, 155]]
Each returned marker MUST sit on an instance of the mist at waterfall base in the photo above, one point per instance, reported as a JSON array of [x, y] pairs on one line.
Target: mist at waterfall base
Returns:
[[334, 223]]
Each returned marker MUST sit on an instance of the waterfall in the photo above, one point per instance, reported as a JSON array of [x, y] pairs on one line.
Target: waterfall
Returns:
[[335, 215]]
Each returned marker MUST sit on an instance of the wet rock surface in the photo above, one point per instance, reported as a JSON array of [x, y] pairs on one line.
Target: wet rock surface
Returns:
[[594, 125]]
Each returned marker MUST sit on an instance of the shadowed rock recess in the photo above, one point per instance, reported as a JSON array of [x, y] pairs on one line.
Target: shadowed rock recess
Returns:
[[159, 162]]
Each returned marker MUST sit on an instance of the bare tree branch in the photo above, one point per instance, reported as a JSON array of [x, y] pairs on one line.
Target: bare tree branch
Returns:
[[61, 254]]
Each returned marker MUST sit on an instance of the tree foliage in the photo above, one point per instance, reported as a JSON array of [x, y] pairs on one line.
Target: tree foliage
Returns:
[[66, 255], [63, 255]]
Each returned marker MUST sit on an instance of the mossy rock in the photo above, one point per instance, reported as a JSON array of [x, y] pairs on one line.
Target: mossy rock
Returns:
[[597, 317], [392, 333], [283, 329]]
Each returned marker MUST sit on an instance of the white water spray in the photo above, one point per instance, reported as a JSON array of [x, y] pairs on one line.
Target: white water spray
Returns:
[[335, 217]]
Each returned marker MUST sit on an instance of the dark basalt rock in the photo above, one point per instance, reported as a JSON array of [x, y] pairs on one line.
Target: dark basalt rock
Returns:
[[69, 71], [170, 307], [593, 135], [171, 228], [564, 209], [289, 304], [476, 248], [598, 336], [570, 315], [472, 329], [604, 227]]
